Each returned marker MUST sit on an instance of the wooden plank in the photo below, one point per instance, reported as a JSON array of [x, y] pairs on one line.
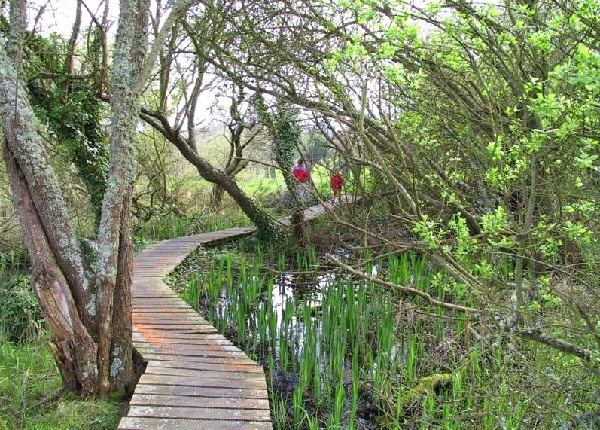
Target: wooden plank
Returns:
[[136, 423], [181, 328], [155, 353], [156, 334], [225, 360], [182, 412], [168, 305], [154, 324], [217, 392], [199, 350], [199, 373], [182, 337], [193, 401], [145, 294], [147, 379], [184, 332], [186, 342], [162, 319], [238, 367]]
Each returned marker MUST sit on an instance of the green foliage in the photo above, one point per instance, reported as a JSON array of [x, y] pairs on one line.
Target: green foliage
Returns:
[[74, 118], [258, 185], [71, 110], [20, 314], [282, 125]]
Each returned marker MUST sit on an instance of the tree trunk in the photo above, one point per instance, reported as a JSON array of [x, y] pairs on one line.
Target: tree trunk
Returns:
[[216, 196], [122, 374], [114, 232], [72, 346]]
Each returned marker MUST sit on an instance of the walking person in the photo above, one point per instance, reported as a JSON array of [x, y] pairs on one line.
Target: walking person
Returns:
[[337, 183], [302, 176]]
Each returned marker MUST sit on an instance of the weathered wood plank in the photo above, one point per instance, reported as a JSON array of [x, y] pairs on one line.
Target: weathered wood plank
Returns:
[[198, 351], [219, 392], [199, 413], [168, 304], [193, 401], [169, 326], [186, 343], [255, 383], [225, 360], [136, 423], [201, 373], [249, 367], [162, 320], [182, 337]]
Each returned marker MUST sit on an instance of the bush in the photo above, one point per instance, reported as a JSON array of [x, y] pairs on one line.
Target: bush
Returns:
[[20, 313]]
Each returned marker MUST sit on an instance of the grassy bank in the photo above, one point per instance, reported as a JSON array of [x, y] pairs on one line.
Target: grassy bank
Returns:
[[29, 393]]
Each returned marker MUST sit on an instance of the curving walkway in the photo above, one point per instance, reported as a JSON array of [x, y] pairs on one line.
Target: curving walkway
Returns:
[[195, 378]]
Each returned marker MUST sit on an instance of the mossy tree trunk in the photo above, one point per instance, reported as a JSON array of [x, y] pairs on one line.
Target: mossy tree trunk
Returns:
[[285, 133]]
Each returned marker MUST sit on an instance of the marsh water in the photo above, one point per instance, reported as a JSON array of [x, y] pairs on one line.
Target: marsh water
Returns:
[[333, 347]]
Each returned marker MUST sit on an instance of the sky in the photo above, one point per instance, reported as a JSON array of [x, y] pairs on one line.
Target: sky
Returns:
[[59, 15]]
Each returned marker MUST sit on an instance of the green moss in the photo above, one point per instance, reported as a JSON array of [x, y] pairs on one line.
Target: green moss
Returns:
[[425, 386]]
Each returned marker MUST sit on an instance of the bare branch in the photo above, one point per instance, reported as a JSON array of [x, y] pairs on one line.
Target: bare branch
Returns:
[[404, 289]]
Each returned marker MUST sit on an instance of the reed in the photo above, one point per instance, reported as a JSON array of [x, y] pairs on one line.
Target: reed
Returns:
[[332, 342]]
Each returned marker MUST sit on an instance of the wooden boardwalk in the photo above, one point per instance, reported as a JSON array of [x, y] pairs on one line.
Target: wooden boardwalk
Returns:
[[195, 378]]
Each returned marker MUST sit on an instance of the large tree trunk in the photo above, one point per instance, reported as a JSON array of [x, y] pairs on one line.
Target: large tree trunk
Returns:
[[64, 292], [122, 373], [114, 357], [73, 347]]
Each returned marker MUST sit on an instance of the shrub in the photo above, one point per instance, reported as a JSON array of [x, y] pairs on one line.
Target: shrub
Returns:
[[20, 313]]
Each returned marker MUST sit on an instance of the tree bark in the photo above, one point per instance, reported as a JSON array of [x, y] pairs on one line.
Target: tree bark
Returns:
[[90, 321], [72, 346], [131, 42], [121, 372]]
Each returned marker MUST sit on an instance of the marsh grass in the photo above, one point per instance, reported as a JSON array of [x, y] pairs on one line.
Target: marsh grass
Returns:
[[344, 353], [171, 225]]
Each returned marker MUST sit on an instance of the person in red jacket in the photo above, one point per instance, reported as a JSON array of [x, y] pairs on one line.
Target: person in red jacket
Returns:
[[302, 176], [337, 182]]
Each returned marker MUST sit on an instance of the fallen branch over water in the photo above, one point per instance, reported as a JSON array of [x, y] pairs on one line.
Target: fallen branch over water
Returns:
[[561, 345], [403, 289]]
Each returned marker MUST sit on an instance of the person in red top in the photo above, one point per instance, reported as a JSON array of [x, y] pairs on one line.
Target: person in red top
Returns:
[[302, 176], [337, 182]]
